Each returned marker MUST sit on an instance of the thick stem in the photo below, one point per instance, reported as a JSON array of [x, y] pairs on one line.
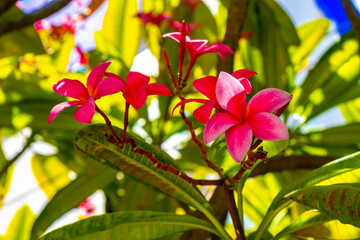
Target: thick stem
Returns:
[[236, 18], [353, 17], [31, 18], [8, 164], [239, 230], [108, 123], [126, 120]]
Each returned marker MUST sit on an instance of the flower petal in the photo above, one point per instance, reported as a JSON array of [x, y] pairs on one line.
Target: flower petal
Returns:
[[61, 106], [238, 139], [71, 88], [267, 126], [187, 101], [206, 86], [96, 76], [85, 113], [157, 89], [174, 35], [226, 88], [243, 73], [136, 98], [268, 100], [202, 114], [246, 84], [218, 124], [219, 48], [197, 44], [110, 85], [237, 105], [135, 80]]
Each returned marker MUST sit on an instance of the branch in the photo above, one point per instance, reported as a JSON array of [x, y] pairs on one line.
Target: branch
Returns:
[[5, 5], [278, 164], [236, 18], [31, 18], [8, 164], [353, 17]]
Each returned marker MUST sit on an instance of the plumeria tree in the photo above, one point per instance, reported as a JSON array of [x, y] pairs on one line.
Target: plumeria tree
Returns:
[[235, 96]]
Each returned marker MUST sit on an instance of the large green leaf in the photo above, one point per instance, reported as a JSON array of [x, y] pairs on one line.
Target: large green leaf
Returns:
[[132, 225], [319, 226], [332, 81], [20, 226], [267, 51], [335, 141], [311, 34], [338, 201], [50, 173], [351, 110], [91, 140], [21, 41], [122, 28], [96, 177], [334, 168]]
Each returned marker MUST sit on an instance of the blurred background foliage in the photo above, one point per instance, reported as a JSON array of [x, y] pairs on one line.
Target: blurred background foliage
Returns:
[[323, 118]]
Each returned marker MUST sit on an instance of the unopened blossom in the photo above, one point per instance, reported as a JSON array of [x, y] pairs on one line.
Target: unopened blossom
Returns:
[[241, 122], [207, 86], [196, 48], [83, 59], [137, 88], [188, 27], [153, 18], [96, 88]]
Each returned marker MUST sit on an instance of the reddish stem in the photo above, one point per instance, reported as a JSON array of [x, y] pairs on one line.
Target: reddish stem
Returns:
[[169, 68], [108, 123], [126, 121], [196, 140]]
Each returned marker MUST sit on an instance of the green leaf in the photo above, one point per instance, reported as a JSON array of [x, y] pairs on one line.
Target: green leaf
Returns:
[[319, 226], [21, 41], [311, 34], [351, 110], [144, 225], [335, 141], [338, 201], [122, 28], [50, 173], [327, 171], [91, 140], [96, 177], [20, 226], [332, 81], [269, 58], [307, 219]]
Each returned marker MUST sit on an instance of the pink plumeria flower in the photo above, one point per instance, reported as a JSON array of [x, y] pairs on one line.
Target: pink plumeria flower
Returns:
[[207, 87], [96, 88], [240, 122], [137, 88], [196, 48], [153, 18], [191, 3]]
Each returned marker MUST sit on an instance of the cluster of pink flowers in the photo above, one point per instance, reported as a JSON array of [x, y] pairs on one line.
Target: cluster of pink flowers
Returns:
[[239, 120], [99, 84]]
